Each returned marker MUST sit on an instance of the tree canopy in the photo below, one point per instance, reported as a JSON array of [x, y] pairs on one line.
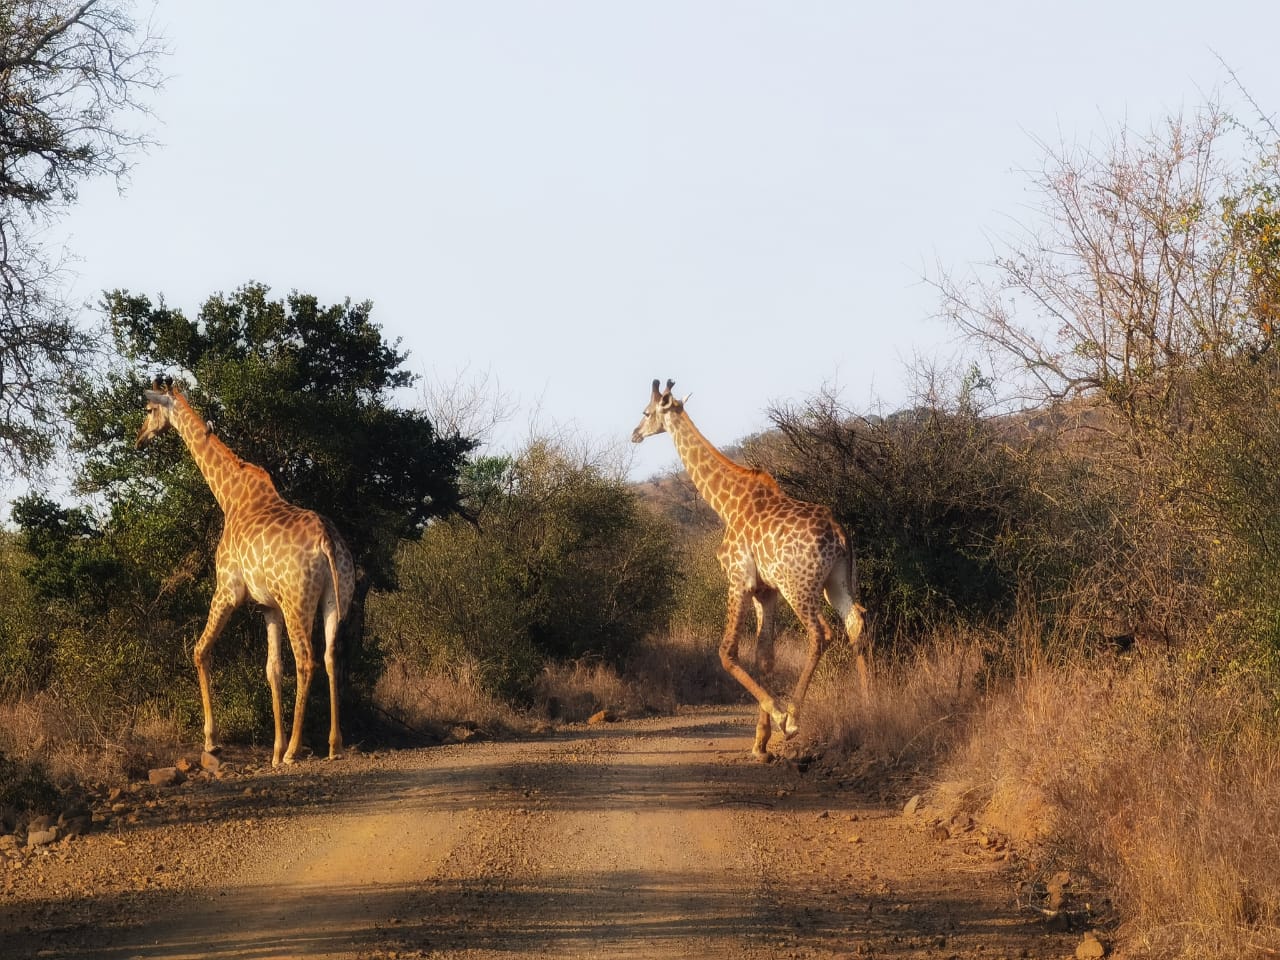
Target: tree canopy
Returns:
[[302, 389]]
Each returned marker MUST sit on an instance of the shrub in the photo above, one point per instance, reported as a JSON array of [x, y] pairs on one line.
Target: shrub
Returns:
[[938, 500], [25, 786], [564, 562], [700, 591], [24, 626]]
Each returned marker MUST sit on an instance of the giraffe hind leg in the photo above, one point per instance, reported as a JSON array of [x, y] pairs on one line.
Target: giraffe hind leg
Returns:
[[331, 668], [300, 639], [839, 593], [819, 639]]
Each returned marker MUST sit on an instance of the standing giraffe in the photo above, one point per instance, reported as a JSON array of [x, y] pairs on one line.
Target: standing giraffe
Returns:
[[772, 544], [283, 557]]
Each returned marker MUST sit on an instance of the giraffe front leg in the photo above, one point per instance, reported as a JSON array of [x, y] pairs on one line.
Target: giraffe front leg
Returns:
[[729, 659], [220, 610], [765, 603]]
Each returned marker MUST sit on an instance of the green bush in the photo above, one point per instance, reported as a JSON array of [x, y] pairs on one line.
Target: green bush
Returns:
[[939, 501], [24, 628], [564, 562], [701, 589]]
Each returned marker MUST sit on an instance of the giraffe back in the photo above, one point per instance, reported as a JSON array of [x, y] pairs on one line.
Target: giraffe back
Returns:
[[287, 557], [793, 544]]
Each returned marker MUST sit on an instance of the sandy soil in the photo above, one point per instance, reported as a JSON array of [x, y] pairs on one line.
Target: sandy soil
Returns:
[[653, 838]]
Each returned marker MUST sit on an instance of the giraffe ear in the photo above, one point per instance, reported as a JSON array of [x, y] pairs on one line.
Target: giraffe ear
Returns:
[[158, 397]]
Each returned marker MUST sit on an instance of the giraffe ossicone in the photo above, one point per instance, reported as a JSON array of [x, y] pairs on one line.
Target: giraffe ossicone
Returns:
[[288, 560], [773, 544]]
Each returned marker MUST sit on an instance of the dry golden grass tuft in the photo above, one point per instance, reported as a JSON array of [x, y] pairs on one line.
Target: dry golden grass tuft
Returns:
[[918, 704], [574, 691], [681, 668], [70, 746], [1161, 777], [432, 702]]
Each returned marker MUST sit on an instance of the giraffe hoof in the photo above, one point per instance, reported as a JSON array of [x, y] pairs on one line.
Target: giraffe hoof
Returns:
[[790, 726]]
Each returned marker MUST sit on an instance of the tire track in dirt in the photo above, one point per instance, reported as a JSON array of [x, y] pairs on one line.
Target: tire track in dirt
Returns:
[[654, 839], [620, 845]]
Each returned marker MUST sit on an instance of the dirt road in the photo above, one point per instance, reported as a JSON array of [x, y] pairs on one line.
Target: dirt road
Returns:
[[654, 838]]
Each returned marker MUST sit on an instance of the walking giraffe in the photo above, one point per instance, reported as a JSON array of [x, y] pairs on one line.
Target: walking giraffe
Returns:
[[282, 557], [772, 544]]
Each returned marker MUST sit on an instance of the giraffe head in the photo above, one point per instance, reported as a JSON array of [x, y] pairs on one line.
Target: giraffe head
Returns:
[[159, 410], [660, 405]]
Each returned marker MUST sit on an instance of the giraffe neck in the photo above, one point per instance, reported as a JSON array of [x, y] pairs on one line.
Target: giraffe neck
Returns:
[[229, 478], [718, 479]]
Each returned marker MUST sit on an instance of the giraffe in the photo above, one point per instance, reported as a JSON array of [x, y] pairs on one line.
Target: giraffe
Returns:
[[772, 544], [282, 557]]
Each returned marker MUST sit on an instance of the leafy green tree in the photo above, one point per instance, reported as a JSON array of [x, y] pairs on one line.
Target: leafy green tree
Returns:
[[75, 563], [306, 391], [70, 71]]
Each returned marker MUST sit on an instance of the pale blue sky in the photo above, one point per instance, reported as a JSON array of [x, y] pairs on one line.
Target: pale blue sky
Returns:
[[574, 198]]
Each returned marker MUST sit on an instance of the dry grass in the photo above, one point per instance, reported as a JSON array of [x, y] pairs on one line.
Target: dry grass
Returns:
[[918, 705], [435, 702], [683, 668], [70, 747], [1160, 777], [572, 692], [660, 675]]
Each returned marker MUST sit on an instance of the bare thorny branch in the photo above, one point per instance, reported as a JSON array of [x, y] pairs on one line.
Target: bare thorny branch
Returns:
[[69, 73], [1130, 276], [1126, 305]]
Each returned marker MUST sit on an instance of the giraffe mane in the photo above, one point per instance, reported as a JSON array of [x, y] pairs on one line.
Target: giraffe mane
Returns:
[[724, 459], [766, 478]]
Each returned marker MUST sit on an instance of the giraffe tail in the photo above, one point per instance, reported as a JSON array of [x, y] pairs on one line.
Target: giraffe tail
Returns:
[[326, 545], [853, 621]]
